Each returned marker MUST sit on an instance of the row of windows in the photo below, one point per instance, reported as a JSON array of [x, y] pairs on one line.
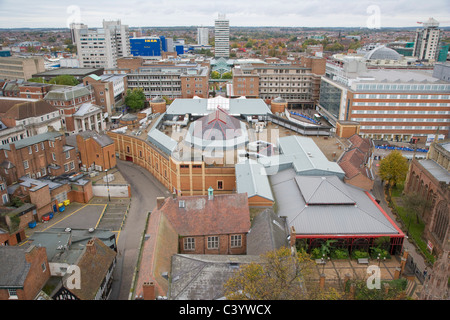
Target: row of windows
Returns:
[[401, 119], [213, 242], [402, 104], [404, 87], [404, 127], [400, 112]]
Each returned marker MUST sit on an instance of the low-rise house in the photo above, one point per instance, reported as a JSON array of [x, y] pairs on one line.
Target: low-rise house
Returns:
[[96, 263], [192, 225], [23, 272]]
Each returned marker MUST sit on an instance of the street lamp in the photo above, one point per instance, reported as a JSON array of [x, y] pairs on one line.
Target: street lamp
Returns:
[[107, 183]]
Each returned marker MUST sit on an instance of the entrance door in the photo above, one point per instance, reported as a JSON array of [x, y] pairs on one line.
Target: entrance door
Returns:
[[128, 158], [18, 237]]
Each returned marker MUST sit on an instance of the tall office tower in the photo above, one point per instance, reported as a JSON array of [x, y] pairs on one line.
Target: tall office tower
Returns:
[[100, 48], [203, 36], [426, 43], [222, 37], [122, 37]]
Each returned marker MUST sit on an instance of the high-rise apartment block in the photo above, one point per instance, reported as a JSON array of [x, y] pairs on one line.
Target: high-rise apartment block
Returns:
[[222, 36], [100, 48], [426, 43], [203, 36]]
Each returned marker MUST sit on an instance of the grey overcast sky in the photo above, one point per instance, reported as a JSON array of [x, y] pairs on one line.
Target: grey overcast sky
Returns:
[[288, 13]]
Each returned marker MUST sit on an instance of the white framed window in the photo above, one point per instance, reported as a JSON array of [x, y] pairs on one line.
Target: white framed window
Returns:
[[67, 154], [25, 164], [189, 243], [236, 241], [72, 165], [213, 242], [12, 293], [53, 156], [66, 167]]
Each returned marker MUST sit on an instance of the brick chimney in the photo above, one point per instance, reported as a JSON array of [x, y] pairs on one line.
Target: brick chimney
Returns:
[[149, 290], [159, 202], [90, 246], [292, 237]]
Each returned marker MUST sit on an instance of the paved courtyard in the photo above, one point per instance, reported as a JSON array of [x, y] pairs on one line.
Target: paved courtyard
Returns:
[[336, 270]]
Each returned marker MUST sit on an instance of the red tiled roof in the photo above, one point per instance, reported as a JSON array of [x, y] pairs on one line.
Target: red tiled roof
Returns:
[[352, 162], [361, 143], [226, 213]]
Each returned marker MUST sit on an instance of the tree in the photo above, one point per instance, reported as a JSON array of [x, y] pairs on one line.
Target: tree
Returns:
[[227, 75], [135, 99], [215, 75], [416, 204], [280, 276], [393, 168]]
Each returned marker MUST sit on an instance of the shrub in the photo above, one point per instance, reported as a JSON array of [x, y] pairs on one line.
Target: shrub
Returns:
[[339, 254], [316, 253], [381, 252], [358, 254]]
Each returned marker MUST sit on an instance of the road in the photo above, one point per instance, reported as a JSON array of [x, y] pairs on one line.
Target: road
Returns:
[[144, 191]]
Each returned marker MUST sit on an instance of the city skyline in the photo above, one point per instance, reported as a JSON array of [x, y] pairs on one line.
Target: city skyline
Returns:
[[281, 13]]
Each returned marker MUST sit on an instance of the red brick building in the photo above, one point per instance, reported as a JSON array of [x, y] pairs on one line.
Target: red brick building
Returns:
[[68, 100], [430, 179], [42, 155], [23, 272], [213, 224]]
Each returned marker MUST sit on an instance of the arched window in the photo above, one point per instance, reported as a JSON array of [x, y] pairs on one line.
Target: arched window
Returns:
[[441, 222]]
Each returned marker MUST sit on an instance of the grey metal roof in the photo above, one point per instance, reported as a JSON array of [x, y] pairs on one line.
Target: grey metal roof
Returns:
[[251, 177], [234, 107], [436, 170], [363, 217], [328, 190], [161, 140], [304, 156]]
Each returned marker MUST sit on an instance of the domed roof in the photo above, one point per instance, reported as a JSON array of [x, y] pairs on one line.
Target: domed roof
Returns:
[[158, 99], [383, 53], [279, 100]]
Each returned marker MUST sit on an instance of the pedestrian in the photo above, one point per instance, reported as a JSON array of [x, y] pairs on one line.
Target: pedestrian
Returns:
[[425, 272]]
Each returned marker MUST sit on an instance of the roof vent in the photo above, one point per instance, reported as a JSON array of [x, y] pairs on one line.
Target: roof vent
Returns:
[[181, 204]]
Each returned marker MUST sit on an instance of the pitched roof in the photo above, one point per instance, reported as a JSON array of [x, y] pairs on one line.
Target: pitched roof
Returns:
[[363, 216], [251, 178], [224, 214], [94, 266], [21, 109], [363, 144], [268, 232], [352, 162], [202, 276], [13, 266]]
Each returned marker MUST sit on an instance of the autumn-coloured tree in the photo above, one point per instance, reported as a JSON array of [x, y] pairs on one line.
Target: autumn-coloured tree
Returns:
[[280, 275], [393, 168]]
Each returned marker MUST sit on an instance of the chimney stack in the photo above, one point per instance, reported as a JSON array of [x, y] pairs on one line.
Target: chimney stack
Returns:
[[149, 290], [159, 202], [90, 246]]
